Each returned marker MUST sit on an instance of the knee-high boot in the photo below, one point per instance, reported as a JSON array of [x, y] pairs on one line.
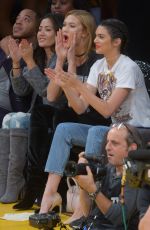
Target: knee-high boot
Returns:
[[39, 144], [4, 158], [17, 159]]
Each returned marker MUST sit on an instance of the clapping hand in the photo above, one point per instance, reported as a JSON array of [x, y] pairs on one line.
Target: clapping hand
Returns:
[[61, 78], [71, 49], [65, 52], [26, 50], [4, 44], [14, 50], [61, 51], [54, 76]]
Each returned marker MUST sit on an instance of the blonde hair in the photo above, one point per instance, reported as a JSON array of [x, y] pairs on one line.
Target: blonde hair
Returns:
[[89, 24]]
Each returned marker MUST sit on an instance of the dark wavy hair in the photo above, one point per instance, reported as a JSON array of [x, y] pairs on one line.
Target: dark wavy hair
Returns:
[[39, 53]]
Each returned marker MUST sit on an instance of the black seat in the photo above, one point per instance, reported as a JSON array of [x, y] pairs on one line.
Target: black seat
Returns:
[[145, 68]]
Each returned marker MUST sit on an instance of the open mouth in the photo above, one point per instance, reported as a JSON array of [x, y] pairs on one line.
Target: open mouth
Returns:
[[65, 38]]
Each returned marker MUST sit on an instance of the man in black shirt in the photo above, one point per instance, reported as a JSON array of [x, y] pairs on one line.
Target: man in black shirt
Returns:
[[101, 201]]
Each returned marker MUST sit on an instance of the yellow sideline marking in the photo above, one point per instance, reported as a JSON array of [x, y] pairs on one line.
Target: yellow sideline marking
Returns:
[[17, 225]]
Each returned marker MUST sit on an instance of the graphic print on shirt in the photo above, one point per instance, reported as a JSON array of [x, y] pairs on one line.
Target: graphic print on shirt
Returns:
[[106, 83]]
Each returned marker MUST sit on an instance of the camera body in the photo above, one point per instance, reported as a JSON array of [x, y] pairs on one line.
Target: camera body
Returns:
[[45, 220], [97, 166], [138, 168]]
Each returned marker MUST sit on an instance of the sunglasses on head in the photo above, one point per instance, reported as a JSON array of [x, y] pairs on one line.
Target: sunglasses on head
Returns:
[[134, 136]]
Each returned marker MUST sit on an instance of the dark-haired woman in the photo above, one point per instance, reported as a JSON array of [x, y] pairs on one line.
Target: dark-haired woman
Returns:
[[122, 94], [23, 81]]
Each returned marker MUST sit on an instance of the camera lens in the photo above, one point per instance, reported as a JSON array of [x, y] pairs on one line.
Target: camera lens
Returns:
[[70, 169]]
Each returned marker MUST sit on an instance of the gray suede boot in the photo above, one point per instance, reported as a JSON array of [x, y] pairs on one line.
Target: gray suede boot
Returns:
[[17, 159], [4, 158]]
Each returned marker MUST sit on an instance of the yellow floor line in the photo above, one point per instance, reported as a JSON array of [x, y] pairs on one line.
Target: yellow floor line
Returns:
[[17, 225]]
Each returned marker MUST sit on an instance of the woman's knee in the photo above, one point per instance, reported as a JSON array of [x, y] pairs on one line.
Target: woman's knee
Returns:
[[66, 131], [97, 131], [63, 128], [95, 140]]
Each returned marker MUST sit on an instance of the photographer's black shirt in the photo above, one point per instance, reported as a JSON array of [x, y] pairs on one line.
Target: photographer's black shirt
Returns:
[[111, 188]]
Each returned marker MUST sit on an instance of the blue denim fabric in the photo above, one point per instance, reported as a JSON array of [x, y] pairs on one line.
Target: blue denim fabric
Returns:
[[69, 134], [16, 120], [94, 140]]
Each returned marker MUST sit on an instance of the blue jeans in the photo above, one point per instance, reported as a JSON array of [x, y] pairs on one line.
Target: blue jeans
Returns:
[[70, 134], [16, 120]]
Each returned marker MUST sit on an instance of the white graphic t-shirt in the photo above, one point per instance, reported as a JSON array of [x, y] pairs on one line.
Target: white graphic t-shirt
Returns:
[[125, 73]]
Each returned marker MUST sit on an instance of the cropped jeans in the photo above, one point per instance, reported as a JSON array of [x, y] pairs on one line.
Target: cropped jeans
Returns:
[[69, 134]]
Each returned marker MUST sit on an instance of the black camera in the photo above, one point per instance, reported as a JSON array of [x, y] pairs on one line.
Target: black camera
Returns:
[[44, 220], [138, 168], [97, 166]]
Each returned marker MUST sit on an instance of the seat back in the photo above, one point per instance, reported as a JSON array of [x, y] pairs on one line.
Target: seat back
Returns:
[[145, 68]]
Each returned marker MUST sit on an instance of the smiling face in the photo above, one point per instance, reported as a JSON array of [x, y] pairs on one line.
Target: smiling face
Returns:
[[46, 33], [25, 25], [104, 44], [72, 26], [61, 6], [117, 147]]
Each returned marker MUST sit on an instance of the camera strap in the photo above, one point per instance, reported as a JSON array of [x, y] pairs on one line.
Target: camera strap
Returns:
[[122, 200], [123, 182]]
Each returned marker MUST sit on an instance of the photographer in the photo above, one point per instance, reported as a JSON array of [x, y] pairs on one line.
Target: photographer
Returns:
[[101, 201]]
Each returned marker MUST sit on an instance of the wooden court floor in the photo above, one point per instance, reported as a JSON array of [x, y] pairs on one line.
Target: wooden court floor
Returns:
[[17, 225]]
